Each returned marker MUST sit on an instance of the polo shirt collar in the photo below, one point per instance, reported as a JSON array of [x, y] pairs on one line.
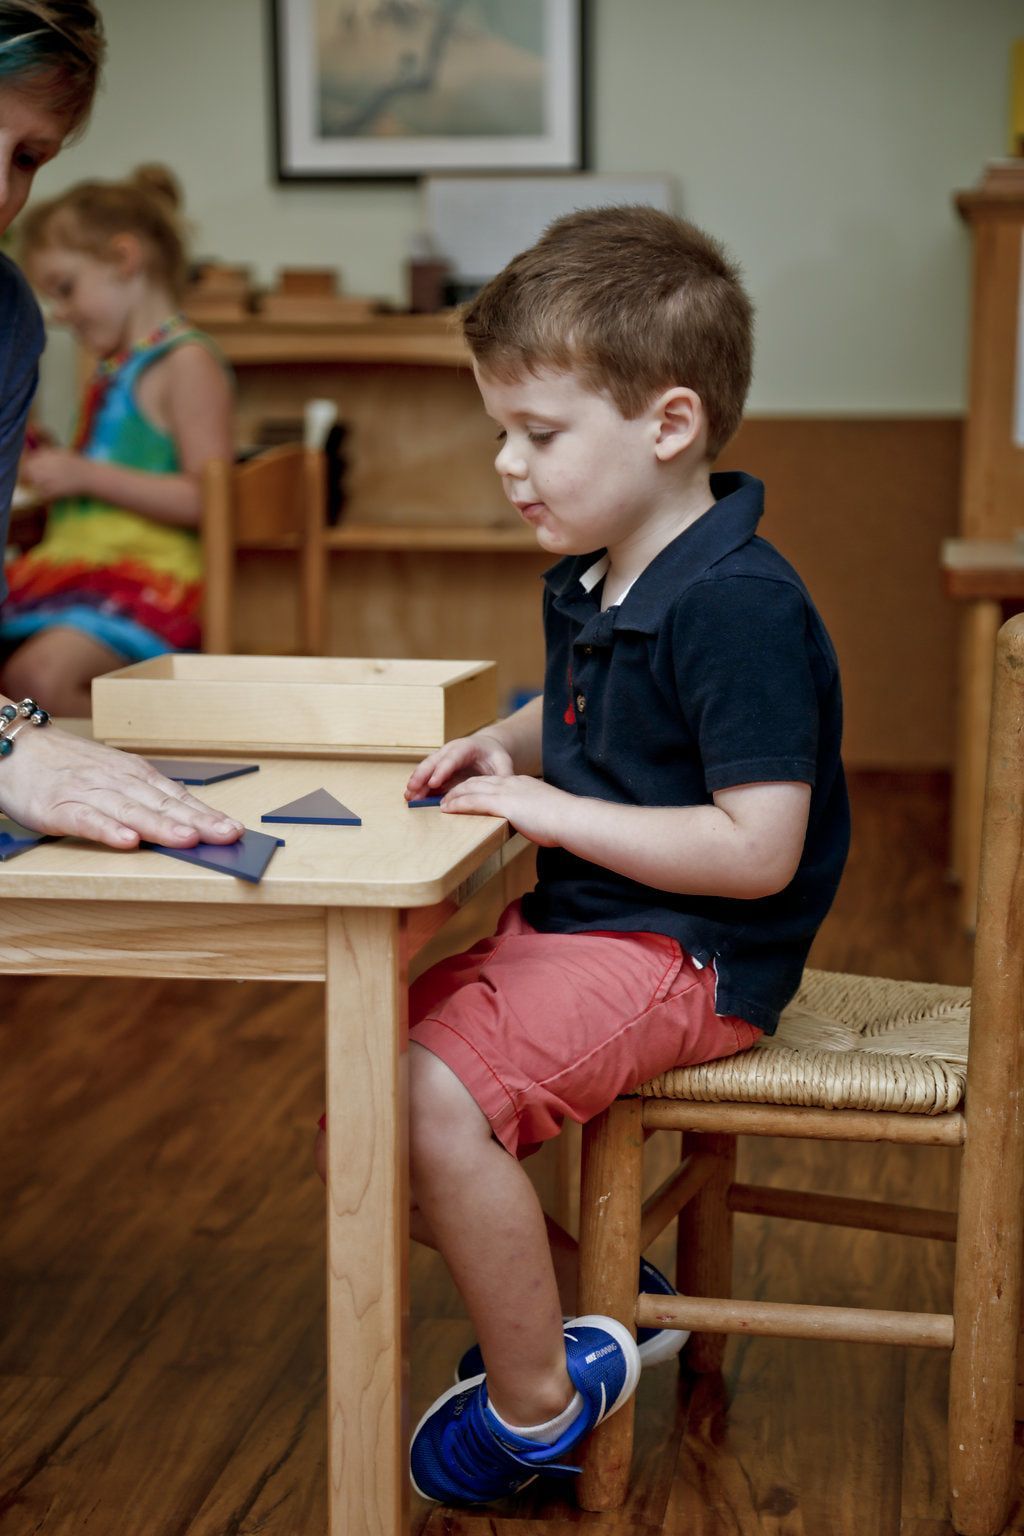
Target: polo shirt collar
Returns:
[[731, 522]]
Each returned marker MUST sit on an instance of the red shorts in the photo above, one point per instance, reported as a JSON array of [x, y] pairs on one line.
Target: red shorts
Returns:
[[542, 1025]]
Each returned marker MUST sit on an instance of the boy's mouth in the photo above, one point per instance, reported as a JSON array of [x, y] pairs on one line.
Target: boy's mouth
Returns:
[[529, 510]]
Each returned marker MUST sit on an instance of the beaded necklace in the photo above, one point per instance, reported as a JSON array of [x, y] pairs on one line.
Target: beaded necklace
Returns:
[[108, 368]]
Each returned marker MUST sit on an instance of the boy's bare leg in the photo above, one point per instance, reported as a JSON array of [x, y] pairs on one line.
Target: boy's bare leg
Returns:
[[565, 1254], [483, 1215]]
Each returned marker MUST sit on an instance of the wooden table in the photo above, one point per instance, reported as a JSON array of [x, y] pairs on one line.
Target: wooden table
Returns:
[[349, 906], [983, 574]]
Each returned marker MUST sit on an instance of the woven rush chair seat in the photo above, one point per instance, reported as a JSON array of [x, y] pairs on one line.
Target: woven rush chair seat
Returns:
[[845, 1042]]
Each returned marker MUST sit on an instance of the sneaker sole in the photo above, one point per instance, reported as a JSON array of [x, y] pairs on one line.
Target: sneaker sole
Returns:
[[666, 1344], [460, 1386], [627, 1344]]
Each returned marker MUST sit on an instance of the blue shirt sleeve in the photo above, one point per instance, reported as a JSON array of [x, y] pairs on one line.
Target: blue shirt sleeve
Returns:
[[21, 341], [744, 660]]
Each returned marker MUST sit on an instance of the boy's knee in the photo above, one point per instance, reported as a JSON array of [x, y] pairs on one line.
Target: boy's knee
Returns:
[[442, 1112]]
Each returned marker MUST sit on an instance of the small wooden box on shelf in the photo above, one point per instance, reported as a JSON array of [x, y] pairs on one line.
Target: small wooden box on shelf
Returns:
[[338, 706]]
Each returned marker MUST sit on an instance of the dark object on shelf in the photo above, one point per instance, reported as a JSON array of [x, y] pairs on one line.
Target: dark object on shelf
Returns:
[[337, 468], [428, 277]]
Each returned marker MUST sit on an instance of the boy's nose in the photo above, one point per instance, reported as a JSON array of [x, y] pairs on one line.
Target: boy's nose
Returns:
[[509, 464]]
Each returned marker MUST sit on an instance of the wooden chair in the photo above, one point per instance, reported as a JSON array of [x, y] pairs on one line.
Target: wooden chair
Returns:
[[856, 1059], [274, 501]]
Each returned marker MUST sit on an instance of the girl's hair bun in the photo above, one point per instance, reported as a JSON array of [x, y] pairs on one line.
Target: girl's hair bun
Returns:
[[157, 181]]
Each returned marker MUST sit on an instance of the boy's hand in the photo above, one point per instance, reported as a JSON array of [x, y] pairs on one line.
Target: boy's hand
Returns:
[[58, 783], [55, 472], [460, 759], [537, 810]]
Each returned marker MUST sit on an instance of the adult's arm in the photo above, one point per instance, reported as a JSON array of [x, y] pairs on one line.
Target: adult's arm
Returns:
[[21, 342]]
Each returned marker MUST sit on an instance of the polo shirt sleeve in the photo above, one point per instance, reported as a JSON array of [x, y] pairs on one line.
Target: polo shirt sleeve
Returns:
[[742, 657], [21, 341]]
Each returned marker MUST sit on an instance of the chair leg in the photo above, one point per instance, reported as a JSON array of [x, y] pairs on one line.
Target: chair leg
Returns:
[[610, 1198], [704, 1246], [986, 1325]]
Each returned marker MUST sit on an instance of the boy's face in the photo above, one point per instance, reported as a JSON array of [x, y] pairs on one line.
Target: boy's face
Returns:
[[576, 470]]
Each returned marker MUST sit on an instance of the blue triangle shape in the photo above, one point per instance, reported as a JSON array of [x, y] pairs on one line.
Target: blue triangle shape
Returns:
[[317, 809]]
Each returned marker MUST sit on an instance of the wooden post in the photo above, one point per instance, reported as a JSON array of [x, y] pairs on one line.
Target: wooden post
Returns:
[[986, 1305], [611, 1191], [313, 556], [218, 557], [367, 1226], [979, 625], [704, 1244]]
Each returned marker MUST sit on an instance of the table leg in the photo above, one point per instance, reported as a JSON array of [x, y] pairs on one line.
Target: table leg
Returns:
[[979, 627], [367, 1225]]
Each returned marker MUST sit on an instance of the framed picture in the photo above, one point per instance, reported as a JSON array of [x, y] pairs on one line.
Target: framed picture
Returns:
[[397, 88]]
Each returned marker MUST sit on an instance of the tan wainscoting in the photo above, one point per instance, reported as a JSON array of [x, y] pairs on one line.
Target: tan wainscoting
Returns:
[[860, 506]]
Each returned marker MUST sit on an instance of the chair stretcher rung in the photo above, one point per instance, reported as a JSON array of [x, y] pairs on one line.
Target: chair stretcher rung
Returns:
[[794, 1320], [796, 1120], [841, 1211]]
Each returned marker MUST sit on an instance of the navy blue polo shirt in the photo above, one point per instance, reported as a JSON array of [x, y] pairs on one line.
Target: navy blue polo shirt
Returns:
[[714, 670]]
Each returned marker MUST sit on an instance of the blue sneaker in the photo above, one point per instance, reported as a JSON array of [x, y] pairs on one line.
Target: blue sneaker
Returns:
[[461, 1454], [654, 1344]]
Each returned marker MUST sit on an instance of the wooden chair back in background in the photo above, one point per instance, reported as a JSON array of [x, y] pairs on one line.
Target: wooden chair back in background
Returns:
[[273, 501]]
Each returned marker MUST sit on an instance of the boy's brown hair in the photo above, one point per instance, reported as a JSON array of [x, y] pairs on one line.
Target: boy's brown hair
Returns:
[[91, 214], [633, 300]]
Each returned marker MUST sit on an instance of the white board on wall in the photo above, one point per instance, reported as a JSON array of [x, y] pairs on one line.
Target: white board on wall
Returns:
[[478, 223]]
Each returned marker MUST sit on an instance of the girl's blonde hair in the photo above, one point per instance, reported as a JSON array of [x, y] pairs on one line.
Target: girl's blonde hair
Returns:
[[54, 49], [90, 215]]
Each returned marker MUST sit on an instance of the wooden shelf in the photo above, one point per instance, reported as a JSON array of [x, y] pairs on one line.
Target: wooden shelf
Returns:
[[419, 340], [985, 569], [468, 540]]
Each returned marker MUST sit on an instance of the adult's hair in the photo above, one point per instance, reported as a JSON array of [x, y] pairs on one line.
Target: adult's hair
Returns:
[[90, 215], [631, 299], [54, 48]]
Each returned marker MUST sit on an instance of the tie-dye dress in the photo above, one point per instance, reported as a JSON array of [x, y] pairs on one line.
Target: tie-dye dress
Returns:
[[130, 582]]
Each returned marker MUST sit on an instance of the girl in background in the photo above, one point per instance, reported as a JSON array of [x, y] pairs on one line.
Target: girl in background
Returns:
[[50, 57], [117, 576]]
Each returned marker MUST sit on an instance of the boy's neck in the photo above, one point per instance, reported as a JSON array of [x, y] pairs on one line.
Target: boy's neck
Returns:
[[628, 560]]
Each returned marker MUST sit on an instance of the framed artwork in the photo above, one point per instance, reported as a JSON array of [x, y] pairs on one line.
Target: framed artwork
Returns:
[[391, 89]]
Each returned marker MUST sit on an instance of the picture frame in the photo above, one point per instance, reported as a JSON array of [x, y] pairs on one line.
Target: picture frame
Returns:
[[396, 89]]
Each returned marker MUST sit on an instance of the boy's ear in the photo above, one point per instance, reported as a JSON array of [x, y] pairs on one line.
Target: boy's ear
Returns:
[[679, 415], [126, 254]]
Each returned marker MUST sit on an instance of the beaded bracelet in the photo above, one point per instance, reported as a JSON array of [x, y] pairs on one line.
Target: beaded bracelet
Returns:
[[13, 720]]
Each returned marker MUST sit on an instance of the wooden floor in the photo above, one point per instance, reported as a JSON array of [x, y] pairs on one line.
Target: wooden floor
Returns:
[[161, 1271]]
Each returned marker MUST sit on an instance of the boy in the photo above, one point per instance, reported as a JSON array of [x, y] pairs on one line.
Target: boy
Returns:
[[692, 815]]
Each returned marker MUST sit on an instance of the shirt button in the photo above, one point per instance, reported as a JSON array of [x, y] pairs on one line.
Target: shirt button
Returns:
[[581, 703], [588, 650]]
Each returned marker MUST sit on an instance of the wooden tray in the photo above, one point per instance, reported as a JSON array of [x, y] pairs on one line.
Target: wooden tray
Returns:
[[293, 704]]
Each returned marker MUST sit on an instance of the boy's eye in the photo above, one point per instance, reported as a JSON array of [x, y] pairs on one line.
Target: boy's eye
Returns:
[[26, 161], [540, 437]]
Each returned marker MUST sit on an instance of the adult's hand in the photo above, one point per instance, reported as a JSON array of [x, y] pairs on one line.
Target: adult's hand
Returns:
[[68, 786]]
